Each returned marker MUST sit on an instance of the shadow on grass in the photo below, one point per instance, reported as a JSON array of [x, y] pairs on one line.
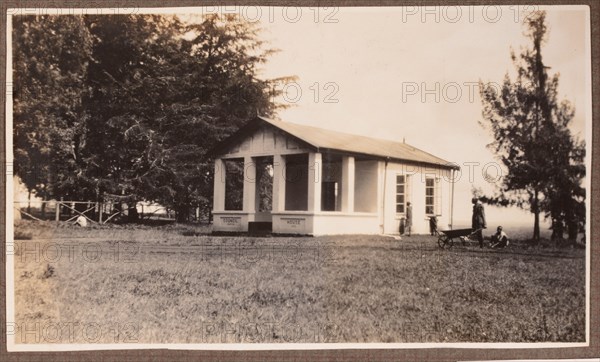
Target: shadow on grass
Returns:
[[514, 251], [472, 249], [510, 250]]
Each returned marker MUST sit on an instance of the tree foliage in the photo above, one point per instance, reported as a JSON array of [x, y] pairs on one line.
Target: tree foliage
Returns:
[[146, 98], [533, 140], [51, 56]]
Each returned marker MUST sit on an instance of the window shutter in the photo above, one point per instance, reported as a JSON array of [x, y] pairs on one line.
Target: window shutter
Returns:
[[407, 188], [438, 196]]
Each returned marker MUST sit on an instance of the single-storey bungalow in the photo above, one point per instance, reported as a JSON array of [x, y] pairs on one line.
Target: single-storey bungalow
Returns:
[[296, 179]]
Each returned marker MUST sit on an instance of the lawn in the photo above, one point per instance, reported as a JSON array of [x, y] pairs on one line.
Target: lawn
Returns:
[[179, 284]]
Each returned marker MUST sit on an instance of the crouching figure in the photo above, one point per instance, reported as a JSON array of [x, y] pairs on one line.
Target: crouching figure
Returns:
[[499, 239]]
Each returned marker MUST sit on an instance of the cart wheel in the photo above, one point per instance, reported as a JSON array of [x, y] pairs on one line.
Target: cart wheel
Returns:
[[450, 242], [443, 241]]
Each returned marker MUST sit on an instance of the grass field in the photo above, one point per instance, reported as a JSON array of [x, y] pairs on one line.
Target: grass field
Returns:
[[179, 284]]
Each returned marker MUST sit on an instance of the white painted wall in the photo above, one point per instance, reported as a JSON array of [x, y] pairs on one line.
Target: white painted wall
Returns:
[[374, 195], [293, 222], [231, 221], [265, 142], [415, 193], [365, 186], [345, 223]]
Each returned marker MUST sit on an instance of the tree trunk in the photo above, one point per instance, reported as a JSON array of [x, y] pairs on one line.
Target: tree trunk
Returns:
[[573, 230], [182, 213], [536, 212], [43, 209], [132, 213], [557, 230], [29, 201], [536, 226]]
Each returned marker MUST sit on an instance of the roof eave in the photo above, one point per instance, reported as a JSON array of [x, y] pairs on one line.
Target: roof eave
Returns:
[[220, 148], [254, 124], [447, 166]]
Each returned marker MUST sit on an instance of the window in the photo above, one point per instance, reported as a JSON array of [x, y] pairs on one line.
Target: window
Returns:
[[433, 200], [400, 193], [429, 196]]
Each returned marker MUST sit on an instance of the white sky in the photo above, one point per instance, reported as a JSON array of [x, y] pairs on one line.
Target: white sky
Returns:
[[381, 60]]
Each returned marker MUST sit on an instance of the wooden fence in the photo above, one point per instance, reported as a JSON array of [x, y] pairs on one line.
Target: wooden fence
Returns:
[[94, 212]]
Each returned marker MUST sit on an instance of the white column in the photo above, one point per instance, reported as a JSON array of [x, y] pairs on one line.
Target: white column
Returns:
[[249, 185], [278, 183], [381, 186], [348, 184], [315, 174], [219, 185]]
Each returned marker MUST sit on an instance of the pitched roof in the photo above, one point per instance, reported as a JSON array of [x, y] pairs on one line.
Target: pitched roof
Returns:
[[323, 140]]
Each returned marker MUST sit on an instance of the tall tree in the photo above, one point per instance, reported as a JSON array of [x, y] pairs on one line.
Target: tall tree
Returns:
[[148, 95], [51, 55], [166, 92], [217, 91], [528, 125], [131, 79]]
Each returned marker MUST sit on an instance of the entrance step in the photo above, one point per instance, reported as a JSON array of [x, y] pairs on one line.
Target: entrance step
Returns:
[[260, 228]]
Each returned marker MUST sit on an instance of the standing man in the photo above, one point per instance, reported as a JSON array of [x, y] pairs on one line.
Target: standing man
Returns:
[[478, 220], [408, 224]]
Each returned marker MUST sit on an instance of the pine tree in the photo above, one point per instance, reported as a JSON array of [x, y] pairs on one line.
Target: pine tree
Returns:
[[51, 55], [533, 140], [134, 106]]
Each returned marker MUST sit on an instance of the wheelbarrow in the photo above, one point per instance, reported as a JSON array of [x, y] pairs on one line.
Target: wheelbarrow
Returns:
[[446, 237]]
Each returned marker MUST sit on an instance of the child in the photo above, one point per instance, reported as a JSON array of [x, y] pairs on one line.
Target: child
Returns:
[[499, 239], [81, 221]]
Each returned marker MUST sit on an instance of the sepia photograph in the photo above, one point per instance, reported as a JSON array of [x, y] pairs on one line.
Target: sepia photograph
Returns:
[[289, 177]]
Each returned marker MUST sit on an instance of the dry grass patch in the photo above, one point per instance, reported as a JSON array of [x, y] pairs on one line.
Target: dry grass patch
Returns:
[[160, 286]]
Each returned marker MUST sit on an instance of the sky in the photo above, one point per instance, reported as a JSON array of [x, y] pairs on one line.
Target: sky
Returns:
[[411, 74]]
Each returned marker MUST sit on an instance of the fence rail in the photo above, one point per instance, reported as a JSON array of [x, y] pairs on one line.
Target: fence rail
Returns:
[[94, 212]]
